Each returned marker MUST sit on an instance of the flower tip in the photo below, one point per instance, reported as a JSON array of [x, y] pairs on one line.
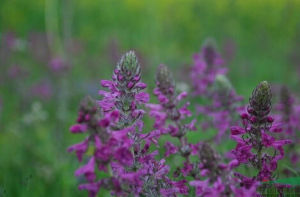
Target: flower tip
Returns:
[[164, 79], [264, 88], [129, 62], [260, 101]]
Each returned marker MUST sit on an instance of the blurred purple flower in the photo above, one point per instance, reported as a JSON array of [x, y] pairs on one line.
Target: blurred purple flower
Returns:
[[58, 65], [42, 90], [207, 65]]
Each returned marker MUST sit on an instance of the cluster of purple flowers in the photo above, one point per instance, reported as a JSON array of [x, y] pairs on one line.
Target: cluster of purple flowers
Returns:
[[256, 143], [207, 65], [168, 110], [216, 178], [210, 83], [120, 147], [222, 111], [129, 156], [210, 176]]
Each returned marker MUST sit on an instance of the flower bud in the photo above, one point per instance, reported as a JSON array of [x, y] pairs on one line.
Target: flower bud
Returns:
[[165, 80], [128, 71], [207, 155], [260, 100], [209, 52]]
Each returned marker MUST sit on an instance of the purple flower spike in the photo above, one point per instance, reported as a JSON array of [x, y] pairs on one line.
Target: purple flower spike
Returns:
[[207, 65], [256, 137], [120, 147]]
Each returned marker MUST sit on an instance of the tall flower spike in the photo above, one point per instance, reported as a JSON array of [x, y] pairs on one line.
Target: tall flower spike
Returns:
[[137, 171], [169, 109], [257, 137], [125, 91], [207, 65]]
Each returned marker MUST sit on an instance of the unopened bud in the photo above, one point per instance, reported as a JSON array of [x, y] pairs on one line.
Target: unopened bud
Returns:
[[209, 52], [128, 69], [165, 80], [260, 100], [207, 155]]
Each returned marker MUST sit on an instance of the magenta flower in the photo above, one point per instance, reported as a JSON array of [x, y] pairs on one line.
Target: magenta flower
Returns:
[[80, 148], [255, 138], [92, 188], [212, 86], [169, 109], [176, 188], [124, 156], [78, 128], [88, 170], [207, 65], [170, 149], [58, 65], [115, 130]]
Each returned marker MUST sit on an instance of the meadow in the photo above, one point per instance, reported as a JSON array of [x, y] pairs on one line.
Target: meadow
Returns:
[[55, 53]]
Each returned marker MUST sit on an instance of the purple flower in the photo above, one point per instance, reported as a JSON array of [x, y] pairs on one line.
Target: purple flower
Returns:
[[78, 128], [80, 148], [58, 64], [178, 187], [123, 155], [169, 109], [162, 170], [88, 170], [236, 130], [234, 163], [207, 65], [201, 186], [92, 188], [170, 149], [142, 97], [187, 168]]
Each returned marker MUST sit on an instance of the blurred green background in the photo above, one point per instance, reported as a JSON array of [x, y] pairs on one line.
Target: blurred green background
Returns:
[[260, 40]]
